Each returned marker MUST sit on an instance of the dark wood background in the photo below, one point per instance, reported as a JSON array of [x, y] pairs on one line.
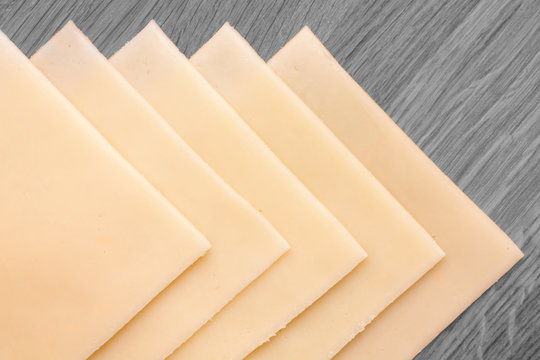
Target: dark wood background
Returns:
[[461, 77]]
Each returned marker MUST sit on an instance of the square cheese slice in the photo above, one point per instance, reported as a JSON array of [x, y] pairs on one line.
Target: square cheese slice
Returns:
[[244, 244], [400, 250], [477, 251], [322, 251], [85, 240]]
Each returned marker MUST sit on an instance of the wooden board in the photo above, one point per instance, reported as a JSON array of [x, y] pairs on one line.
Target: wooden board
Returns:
[[460, 77]]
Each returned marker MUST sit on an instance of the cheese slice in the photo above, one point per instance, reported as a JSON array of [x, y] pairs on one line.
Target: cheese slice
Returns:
[[400, 251], [322, 251], [85, 240], [244, 244], [478, 252]]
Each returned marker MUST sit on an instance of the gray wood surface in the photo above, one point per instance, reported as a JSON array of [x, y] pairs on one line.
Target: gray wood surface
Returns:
[[461, 77]]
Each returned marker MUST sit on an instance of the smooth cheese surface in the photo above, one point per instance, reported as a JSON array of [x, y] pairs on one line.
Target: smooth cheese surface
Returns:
[[85, 240], [400, 250], [244, 244], [477, 251], [322, 251]]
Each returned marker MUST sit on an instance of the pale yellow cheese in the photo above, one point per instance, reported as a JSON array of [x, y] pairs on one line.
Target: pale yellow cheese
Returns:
[[85, 241], [400, 251], [244, 244], [478, 252], [322, 251]]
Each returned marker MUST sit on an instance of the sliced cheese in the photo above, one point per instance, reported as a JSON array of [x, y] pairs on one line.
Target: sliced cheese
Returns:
[[400, 251], [244, 244], [85, 241], [322, 251], [478, 252]]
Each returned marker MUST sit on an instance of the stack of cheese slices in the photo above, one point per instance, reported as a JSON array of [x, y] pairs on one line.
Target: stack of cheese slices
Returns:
[[221, 208]]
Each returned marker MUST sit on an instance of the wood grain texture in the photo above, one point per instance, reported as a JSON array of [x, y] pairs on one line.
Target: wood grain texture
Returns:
[[461, 77]]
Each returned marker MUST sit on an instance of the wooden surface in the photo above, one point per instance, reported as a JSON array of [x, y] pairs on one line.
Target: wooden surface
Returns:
[[461, 77]]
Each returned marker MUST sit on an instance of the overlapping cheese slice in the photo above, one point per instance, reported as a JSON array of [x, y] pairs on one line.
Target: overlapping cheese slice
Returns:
[[400, 250], [322, 251], [244, 244], [477, 251], [85, 240]]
